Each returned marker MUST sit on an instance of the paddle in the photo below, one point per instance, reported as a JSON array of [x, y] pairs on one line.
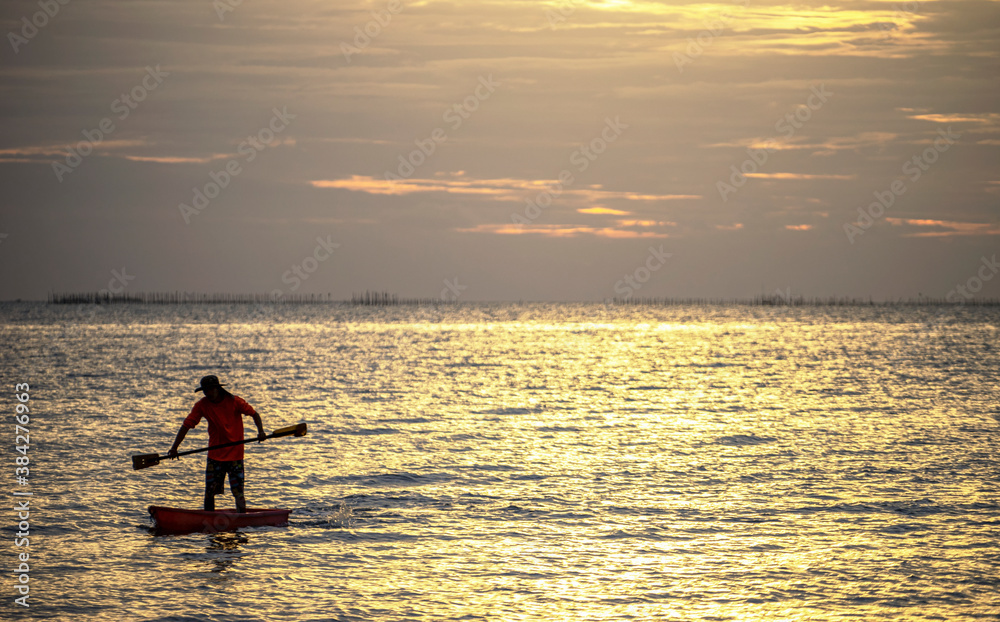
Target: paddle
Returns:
[[142, 461]]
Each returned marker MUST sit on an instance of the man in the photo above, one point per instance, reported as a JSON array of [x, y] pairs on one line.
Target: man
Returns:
[[224, 412]]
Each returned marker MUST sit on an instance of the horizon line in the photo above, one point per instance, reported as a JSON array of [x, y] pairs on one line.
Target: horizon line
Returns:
[[370, 298]]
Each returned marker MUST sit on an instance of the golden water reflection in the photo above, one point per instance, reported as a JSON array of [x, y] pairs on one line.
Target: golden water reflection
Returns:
[[654, 464]]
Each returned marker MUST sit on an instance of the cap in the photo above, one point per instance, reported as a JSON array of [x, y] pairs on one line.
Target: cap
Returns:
[[209, 382]]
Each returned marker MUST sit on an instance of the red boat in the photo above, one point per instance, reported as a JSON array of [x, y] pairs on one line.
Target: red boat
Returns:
[[176, 520]]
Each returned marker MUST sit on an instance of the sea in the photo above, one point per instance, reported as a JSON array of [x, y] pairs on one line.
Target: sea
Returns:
[[521, 462]]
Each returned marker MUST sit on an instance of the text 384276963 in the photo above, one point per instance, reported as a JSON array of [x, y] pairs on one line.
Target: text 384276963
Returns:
[[22, 506]]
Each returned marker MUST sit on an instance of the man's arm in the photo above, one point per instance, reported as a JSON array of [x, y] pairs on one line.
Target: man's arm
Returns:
[[177, 442], [260, 427]]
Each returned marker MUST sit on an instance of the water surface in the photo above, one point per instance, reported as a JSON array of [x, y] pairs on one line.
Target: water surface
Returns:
[[518, 462]]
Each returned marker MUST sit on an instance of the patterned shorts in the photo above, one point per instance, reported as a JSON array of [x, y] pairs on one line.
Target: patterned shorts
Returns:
[[215, 476]]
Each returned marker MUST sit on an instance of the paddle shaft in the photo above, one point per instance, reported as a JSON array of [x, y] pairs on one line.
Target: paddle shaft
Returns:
[[232, 444], [143, 461], [282, 432]]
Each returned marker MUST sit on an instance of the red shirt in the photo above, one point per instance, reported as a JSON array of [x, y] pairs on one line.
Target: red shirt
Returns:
[[225, 424]]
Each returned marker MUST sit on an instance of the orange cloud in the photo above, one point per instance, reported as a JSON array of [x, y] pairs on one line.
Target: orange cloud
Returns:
[[503, 189], [603, 210], [646, 223], [797, 176], [951, 227], [825, 146], [499, 188], [173, 159], [560, 231], [798, 227], [990, 117]]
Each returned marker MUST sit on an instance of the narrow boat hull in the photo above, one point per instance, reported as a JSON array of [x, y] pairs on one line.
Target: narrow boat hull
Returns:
[[177, 520]]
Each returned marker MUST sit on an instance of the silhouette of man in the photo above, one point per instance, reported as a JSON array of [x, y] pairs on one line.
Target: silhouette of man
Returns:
[[225, 413]]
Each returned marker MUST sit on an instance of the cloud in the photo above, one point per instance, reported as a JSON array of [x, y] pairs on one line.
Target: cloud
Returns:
[[106, 148], [825, 145], [988, 118], [560, 231], [646, 223], [503, 189], [603, 210], [59, 151], [798, 176], [175, 159], [948, 228]]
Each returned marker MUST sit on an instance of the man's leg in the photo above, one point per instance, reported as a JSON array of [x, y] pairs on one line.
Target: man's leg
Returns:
[[214, 478], [236, 484]]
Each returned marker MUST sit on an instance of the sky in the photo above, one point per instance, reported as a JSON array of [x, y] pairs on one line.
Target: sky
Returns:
[[507, 150]]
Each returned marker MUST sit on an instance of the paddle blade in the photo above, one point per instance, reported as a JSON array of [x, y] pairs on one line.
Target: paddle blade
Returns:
[[297, 430], [143, 461]]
